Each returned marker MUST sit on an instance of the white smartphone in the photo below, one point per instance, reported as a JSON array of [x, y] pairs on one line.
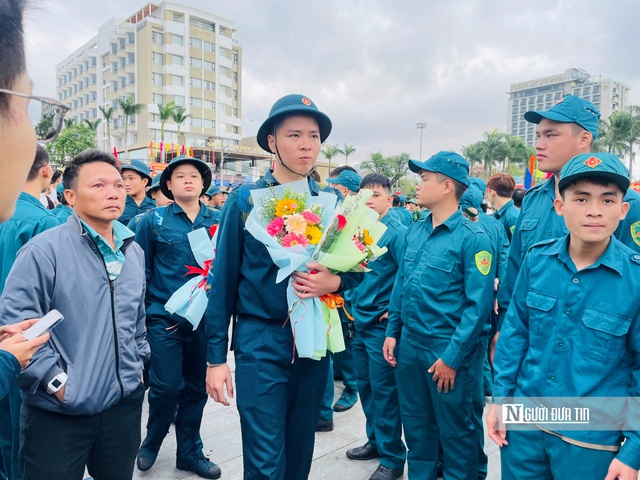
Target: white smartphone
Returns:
[[43, 325]]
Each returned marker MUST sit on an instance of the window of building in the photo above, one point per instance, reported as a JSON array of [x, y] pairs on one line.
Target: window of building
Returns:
[[196, 122], [235, 113], [210, 124], [196, 82], [131, 57], [178, 100], [178, 80], [131, 78], [196, 62], [114, 67], [211, 86], [157, 58], [122, 62], [178, 17], [210, 66], [122, 81], [195, 42], [178, 39], [223, 52], [157, 98], [209, 105], [195, 102], [235, 95], [121, 42], [157, 38], [113, 86], [157, 79], [236, 129], [155, 117], [114, 47], [209, 47], [131, 38], [235, 58], [203, 24], [178, 60], [234, 75]]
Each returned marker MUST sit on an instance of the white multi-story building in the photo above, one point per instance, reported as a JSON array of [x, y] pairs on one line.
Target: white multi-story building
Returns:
[[542, 93]]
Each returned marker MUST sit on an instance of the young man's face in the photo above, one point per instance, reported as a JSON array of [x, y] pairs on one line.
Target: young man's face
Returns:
[[186, 183], [429, 192], [223, 198], [298, 141], [134, 184], [160, 199], [558, 143], [99, 195], [592, 212], [380, 201], [18, 140], [217, 200]]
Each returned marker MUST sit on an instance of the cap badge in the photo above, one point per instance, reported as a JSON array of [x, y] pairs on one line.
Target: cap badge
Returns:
[[592, 162], [306, 101]]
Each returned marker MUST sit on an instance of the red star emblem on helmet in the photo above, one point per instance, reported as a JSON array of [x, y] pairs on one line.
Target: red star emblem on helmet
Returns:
[[306, 101], [592, 162]]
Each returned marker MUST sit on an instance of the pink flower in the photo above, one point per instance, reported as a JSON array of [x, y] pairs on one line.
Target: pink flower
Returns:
[[360, 245], [292, 239], [296, 224], [275, 226], [311, 218]]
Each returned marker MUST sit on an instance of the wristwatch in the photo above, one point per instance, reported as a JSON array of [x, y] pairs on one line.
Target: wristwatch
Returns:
[[214, 365], [57, 383]]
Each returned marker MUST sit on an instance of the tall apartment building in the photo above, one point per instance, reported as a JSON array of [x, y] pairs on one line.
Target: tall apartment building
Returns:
[[543, 93], [160, 54]]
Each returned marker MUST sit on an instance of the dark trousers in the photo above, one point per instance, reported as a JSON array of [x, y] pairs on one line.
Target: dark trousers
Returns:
[[10, 434], [278, 400], [58, 447], [177, 376], [379, 395], [430, 417]]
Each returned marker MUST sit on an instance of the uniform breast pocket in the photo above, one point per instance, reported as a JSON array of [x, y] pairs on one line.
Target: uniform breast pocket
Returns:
[[528, 233], [169, 244], [540, 313], [440, 269], [603, 338]]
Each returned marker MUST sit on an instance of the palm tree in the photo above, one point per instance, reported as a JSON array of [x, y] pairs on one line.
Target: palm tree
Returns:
[[517, 151], [108, 114], [348, 150], [69, 122], [330, 151], [180, 116], [129, 108], [166, 113], [93, 126], [494, 149]]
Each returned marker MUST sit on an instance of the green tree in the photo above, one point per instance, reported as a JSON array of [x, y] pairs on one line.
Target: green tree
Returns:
[[348, 150], [165, 112], [93, 126], [473, 153], [395, 167], [330, 151], [108, 114], [625, 133], [180, 116], [69, 122], [517, 152], [494, 149], [71, 141], [129, 108], [44, 125], [408, 186]]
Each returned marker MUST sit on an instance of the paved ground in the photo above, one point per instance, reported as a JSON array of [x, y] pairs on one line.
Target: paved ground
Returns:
[[221, 436]]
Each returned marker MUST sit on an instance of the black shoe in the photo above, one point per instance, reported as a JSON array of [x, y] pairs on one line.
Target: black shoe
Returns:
[[203, 468], [147, 455], [386, 473], [365, 452], [324, 425]]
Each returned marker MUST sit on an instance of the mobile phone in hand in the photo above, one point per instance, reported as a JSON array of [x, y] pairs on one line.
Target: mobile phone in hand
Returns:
[[43, 325]]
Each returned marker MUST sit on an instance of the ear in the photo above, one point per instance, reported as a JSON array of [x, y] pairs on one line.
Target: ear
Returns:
[[272, 143], [70, 197], [625, 210], [585, 140], [558, 204]]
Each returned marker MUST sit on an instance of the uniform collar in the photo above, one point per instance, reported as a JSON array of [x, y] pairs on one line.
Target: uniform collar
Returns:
[[450, 223], [27, 197], [205, 211], [504, 208], [611, 258], [388, 217], [271, 181]]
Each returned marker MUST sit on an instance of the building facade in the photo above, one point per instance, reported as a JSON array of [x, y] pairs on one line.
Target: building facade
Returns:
[[161, 54], [542, 93]]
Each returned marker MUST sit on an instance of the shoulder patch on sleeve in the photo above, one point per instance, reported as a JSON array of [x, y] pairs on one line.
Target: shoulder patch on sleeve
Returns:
[[483, 262], [635, 232]]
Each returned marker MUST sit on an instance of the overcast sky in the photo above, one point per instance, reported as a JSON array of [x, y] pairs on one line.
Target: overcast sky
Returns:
[[378, 67]]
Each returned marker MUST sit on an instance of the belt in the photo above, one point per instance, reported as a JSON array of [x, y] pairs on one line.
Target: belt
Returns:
[[579, 443]]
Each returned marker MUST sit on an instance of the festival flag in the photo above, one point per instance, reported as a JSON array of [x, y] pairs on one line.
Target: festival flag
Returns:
[[182, 150], [529, 179], [151, 149]]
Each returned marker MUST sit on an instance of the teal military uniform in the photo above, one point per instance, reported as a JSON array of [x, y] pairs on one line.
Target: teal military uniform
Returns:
[[403, 215], [30, 219], [375, 377], [62, 212], [508, 216], [440, 306], [131, 208], [178, 353], [570, 333]]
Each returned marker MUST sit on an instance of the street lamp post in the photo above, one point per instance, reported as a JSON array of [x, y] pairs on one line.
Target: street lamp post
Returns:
[[421, 126]]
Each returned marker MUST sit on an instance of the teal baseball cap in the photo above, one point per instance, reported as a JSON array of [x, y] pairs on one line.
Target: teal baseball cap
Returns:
[[451, 164], [348, 179], [137, 166], [595, 165], [155, 185], [472, 197], [202, 167], [213, 190], [570, 109], [479, 183], [292, 105]]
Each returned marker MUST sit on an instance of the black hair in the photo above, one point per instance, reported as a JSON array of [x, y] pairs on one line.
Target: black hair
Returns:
[[72, 170], [42, 158], [459, 187], [315, 175], [11, 47], [518, 195], [376, 180], [600, 180], [338, 170], [56, 175], [396, 201]]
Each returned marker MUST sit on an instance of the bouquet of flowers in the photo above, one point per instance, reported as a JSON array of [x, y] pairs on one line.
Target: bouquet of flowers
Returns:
[[298, 228], [190, 300]]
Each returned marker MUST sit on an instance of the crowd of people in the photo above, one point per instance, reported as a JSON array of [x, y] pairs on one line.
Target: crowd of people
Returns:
[[477, 296]]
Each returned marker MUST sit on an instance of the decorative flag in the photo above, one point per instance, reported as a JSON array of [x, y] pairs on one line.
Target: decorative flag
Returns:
[[182, 150], [115, 154], [529, 178], [151, 148]]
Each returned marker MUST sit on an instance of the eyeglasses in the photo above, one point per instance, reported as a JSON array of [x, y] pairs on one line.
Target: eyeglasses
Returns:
[[49, 117]]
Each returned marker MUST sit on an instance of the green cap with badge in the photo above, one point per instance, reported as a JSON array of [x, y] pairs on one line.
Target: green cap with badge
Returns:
[[348, 179], [570, 109], [600, 164], [451, 164]]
